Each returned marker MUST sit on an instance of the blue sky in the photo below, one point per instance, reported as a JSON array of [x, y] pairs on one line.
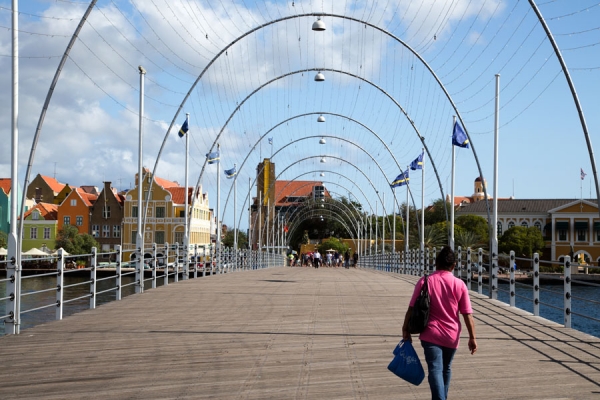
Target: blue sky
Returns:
[[90, 131]]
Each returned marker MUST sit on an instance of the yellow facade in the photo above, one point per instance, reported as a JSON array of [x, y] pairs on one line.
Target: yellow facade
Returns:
[[165, 221]]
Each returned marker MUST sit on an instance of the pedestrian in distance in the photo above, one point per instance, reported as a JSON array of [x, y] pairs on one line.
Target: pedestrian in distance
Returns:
[[355, 259], [317, 257], [449, 298], [347, 259]]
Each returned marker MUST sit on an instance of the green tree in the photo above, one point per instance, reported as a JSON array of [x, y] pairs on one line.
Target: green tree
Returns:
[[3, 240], [242, 239], [73, 242], [436, 213], [523, 241], [467, 238], [475, 224], [332, 243]]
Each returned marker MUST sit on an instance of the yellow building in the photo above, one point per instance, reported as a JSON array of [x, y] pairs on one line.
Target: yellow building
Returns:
[[165, 221]]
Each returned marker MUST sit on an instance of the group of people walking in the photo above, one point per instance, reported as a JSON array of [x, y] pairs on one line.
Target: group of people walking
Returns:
[[331, 259]]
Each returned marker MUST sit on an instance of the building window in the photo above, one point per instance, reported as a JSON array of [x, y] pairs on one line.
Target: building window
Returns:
[[581, 235], [105, 231], [562, 234], [524, 224], [46, 233], [79, 220], [598, 236], [116, 231], [35, 215], [106, 212], [160, 212], [538, 225], [499, 228], [67, 220], [33, 233], [133, 236], [178, 237], [511, 224], [95, 231], [73, 202], [134, 211], [159, 237]]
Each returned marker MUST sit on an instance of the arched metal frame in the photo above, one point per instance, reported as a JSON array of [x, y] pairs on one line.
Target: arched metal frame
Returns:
[[320, 212], [342, 139], [316, 205]]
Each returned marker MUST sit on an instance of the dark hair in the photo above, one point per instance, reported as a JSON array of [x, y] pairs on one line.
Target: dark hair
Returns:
[[446, 259]]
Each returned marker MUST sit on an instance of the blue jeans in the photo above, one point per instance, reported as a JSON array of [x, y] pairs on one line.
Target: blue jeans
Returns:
[[438, 360]]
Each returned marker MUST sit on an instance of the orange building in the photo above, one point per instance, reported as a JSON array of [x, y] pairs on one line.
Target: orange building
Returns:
[[75, 210]]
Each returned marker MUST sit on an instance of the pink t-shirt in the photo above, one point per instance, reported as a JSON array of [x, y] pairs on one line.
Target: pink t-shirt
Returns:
[[449, 298]]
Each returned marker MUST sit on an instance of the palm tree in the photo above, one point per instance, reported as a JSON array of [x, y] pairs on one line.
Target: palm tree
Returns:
[[465, 238]]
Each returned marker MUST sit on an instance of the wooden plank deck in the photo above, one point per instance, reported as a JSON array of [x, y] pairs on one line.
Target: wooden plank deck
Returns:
[[284, 333]]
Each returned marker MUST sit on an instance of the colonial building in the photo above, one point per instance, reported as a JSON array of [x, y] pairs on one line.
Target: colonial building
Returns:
[[165, 220], [106, 219], [40, 227], [569, 226]]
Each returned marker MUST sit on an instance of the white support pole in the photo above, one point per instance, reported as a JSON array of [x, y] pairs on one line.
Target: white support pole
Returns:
[[235, 227], [383, 226], [406, 234], [93, 280], [451, 240], [218, 244], [13, 286], [186, 233], [394, 223], [493, 286], [139, 240], [423, 211]]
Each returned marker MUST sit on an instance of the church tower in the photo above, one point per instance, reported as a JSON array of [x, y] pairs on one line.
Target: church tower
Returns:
[[479, 185]]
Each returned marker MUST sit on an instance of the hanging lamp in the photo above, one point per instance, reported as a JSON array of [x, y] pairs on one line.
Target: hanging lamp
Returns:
[[319, 77], [318, 25]]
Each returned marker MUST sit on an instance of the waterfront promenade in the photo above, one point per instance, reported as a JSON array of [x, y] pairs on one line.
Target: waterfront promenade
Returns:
[[285, 333]]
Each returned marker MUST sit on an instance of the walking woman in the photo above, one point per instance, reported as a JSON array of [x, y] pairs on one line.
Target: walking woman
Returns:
[[449, 298]]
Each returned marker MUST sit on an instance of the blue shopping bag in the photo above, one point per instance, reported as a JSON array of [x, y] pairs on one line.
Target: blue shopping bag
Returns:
[[406, 364]]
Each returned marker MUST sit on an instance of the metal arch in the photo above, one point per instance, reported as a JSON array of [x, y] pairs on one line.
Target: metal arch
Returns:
[[314, 113], [573, 93], [38, 129], [332, 213], [335, 137], [297, 72], [334, 217], [353, 221], [334, 157], [334, 183]]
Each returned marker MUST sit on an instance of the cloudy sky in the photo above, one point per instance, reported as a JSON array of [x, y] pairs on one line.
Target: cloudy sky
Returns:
[[249, 69]]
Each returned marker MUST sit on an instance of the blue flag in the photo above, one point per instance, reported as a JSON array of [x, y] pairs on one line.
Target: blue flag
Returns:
[[230, 173], [400, 180], [459, 138], [184, 129], [213, 157], [270, 140], [417, 162]]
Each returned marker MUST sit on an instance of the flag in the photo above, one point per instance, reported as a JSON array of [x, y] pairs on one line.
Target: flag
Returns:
[[459, 138], [286, 229], [184, 129], [417, 162], [213, 157], [400, 180], [270, 140], [583, 174], [230, 173]]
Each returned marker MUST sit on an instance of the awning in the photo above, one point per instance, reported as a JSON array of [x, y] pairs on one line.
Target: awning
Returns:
[[562, 225], [581, 225]]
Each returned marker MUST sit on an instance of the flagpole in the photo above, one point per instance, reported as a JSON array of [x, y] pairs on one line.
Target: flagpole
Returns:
[[250, 213], [139, 240], [218, 247], [407, 225], [376, 226], [235, 232], [451, 241], [186, 237]]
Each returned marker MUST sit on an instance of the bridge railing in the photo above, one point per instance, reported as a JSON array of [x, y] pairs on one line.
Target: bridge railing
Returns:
[[74, 279], [536, 283]]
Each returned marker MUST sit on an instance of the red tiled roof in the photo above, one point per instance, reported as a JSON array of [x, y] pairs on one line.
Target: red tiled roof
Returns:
[[165, 183], [55, 185], [5, 184], [177, 194], [48, 211], [285, 189], [88, 198]]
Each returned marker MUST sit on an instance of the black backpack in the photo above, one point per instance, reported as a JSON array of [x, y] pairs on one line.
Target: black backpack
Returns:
[[420, 313]]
